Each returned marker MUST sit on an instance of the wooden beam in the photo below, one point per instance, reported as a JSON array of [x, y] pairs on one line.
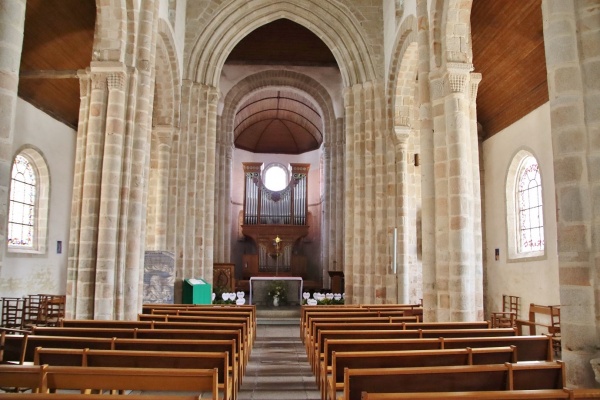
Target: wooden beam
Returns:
[[49, 74]]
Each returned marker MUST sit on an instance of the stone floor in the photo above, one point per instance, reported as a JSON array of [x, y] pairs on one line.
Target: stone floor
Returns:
[[278, 367]]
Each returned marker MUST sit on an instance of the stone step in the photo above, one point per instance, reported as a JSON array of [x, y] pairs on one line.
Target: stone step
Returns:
[[278, 321]]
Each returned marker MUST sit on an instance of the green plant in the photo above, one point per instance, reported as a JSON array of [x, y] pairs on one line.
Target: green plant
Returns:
[[277, 289]]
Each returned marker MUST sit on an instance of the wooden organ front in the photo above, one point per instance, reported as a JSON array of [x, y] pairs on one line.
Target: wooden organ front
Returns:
[[275, 221]]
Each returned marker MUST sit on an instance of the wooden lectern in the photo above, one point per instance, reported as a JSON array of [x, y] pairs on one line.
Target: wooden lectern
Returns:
[[337, 281]]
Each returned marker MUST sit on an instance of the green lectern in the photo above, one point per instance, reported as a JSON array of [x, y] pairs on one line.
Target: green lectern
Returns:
[[197, 291]]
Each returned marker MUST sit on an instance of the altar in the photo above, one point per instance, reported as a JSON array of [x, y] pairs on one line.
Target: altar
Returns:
[[259, 286]]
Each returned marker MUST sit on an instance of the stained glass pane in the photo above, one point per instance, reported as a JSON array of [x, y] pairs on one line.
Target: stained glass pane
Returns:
[[530, 209], [21, 215]]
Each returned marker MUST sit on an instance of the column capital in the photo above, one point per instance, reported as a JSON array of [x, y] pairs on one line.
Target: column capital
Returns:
[[401, 134], [458, 76], [163, 134], [475, 80]]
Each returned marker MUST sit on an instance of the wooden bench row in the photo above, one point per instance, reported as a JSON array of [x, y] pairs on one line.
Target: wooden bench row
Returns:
[[227, 377], [308, 312], [542, 394], [332, 378], [330, 331], [491, 377], [47, 378], [21, 348]]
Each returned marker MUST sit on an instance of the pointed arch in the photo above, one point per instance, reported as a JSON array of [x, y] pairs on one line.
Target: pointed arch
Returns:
[[334, 24]]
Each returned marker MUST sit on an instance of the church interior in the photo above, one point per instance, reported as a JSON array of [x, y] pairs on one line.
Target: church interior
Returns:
[[435, 152]]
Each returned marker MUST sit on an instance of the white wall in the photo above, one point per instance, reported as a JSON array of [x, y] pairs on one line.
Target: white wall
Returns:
[[535, 281], [24, 274]]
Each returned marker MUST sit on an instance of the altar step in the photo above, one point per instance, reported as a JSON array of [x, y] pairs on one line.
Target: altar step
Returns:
[[278, 315]]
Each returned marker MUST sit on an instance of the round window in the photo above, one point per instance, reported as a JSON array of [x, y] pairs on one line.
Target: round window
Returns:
[[275, 177]]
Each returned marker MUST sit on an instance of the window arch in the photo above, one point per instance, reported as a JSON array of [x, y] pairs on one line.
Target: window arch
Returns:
[[525, 211], [28, 204]]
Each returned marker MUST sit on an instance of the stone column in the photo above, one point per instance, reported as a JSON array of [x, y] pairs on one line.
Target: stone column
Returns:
[[86, 201], [158, 198], [402, 267], [196, 196], [12, 22], [338, 196], [223, 200], [327, 238], [572, 40], [430, 298], [366, 226], [458, 269], [110, 194]]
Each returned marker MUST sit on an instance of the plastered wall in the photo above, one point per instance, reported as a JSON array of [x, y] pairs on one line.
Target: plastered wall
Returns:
[[24, 274], [535, 281]]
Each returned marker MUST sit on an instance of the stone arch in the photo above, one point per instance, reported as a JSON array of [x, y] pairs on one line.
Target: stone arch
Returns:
[[272, 78], [451, 31], [403, 71], [166, 95], [111, 31], [334, 24]]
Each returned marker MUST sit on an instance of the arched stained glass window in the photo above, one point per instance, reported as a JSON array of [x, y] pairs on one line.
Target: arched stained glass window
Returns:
[[530, 208], [21, 218], [524, 208], [27, 226]]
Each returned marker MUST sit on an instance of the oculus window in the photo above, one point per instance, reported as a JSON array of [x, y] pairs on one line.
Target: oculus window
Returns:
[[276, 177]]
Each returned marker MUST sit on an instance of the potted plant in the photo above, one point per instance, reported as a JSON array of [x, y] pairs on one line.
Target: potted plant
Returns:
[[277, 293]]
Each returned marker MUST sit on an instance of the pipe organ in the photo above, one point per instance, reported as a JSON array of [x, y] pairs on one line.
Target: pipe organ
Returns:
[[275, 219]]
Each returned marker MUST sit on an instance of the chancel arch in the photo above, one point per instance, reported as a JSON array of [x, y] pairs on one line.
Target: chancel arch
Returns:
[[333, 24]]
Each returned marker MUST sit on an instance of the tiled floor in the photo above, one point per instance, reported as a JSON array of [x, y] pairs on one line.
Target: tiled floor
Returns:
[[278, 367]]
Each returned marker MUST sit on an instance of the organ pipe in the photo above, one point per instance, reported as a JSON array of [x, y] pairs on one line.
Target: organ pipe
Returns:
[[266, 207]]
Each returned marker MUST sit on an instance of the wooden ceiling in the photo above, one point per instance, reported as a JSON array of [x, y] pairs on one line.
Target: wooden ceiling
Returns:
[[278, 121], [58, 41], [508, 49]]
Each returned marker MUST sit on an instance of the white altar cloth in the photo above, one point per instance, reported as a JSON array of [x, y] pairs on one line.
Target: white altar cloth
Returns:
[[277, 278]]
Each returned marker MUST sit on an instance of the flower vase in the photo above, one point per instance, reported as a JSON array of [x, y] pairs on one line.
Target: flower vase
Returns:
[[275, 301]]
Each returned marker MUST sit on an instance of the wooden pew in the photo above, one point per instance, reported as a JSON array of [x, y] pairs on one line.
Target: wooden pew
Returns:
[[317, 361], [13, 348], [529, 348], [186, 345], [199, 334], [85, 332], [68, 342], [370, 344], [353, 313], [74, 396], [243, 321], [145, 359], [532, 376], [411, 358], [113, 323], [547, 394], [87, 379], [21, 376], [424, 334], [250, 313], [312, 323], [312, 342]]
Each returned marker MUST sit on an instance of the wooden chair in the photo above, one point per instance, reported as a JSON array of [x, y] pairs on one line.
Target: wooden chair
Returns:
[[509, 314], [12, 312]]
